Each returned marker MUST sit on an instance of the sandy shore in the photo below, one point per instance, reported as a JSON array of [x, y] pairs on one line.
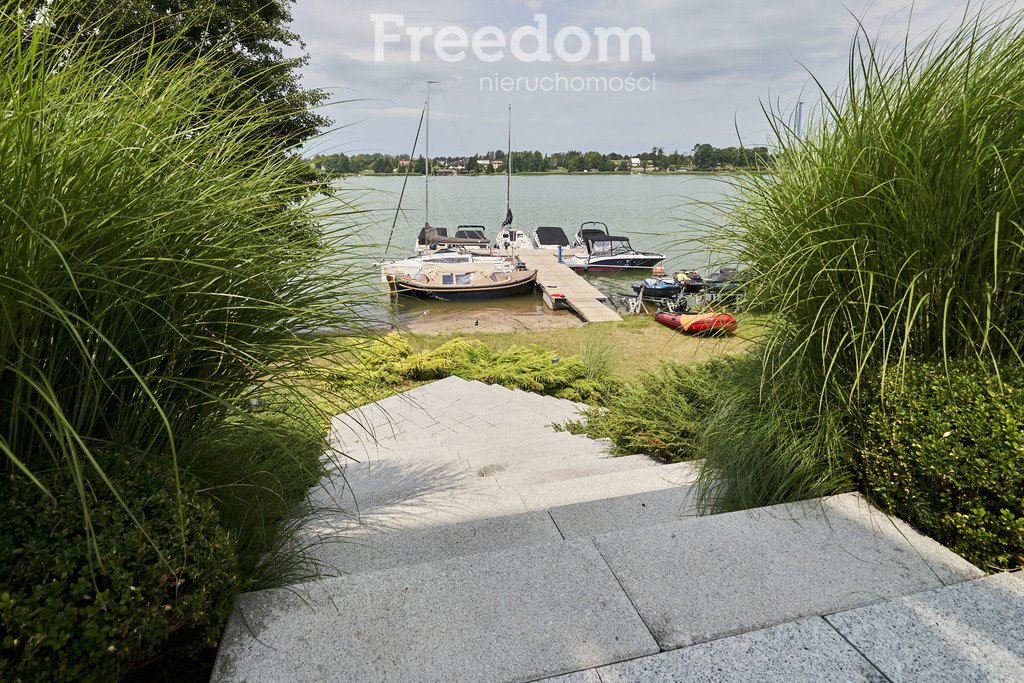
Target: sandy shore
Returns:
[[434, 321]]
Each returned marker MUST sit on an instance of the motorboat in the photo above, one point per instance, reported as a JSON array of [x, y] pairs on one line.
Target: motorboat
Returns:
[[692, 322], [588, 230], [462, 282], [609, 253], [657, 288], [690, 281]]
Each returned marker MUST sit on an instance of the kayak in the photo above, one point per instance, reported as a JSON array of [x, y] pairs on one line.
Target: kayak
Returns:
[[698, 323]]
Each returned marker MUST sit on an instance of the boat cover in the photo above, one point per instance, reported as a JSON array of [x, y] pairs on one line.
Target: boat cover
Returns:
[[552, 236], [434, 236]]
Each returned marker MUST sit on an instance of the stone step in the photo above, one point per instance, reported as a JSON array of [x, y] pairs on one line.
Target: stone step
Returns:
[[482, 447], [409, 493], [364, 550], [511, 615], [543, 496], [743, 594], [480, 438], [638, 510], [705, 578], [966, 632]]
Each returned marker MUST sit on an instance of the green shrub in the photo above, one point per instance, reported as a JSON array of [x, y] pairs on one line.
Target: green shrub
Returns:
[[71, 613], [390, 363], [660, 414], [946, 453]]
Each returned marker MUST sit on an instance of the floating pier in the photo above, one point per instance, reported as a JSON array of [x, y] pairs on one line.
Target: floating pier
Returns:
[[563, 288]]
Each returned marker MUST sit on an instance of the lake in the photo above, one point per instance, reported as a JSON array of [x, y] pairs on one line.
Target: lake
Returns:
[[661, 213]]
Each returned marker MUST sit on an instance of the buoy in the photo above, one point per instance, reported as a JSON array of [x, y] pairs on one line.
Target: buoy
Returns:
[[658, 270]]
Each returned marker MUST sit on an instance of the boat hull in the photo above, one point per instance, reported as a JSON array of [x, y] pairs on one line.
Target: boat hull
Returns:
[[698, 323], [466, 293], [616, 265], [658, 292]]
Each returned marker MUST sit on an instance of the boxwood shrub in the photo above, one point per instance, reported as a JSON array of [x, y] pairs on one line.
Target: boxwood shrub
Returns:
[[945, 451], [68, 613]]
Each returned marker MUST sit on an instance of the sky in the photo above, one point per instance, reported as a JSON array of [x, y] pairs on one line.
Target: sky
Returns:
[[709, 67]]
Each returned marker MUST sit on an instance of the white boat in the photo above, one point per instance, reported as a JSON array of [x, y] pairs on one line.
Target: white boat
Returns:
[[611, 254], [415, 264]]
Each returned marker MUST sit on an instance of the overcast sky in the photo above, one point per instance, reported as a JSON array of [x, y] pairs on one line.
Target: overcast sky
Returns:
[[714, 62]]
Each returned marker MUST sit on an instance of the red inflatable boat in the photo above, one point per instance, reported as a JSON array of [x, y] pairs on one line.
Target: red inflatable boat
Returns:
[[698, 323]]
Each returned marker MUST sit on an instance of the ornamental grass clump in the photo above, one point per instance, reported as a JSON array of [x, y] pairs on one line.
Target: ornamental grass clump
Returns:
[[892, 230], [162, 264]]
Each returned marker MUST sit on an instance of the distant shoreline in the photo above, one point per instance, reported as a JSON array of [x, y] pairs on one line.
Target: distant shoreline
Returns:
[[370, 174]]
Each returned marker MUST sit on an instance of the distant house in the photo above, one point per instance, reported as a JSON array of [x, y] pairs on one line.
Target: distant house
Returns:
[[402, 163], [497, 163], [635, 162], [483, 162], [459, 164]]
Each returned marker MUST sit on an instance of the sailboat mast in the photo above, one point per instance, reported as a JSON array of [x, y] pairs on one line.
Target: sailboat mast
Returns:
[[426, 164], [508, 189]]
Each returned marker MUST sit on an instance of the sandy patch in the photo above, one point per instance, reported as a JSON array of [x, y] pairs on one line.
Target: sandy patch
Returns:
[[489, 320]]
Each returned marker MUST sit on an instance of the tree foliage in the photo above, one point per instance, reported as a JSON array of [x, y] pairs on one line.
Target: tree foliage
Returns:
[[249, 37]]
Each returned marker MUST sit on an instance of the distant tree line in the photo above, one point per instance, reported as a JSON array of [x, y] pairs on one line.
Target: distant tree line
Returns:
[[703, 157]]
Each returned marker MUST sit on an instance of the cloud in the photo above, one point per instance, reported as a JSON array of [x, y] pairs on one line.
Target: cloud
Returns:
[[715, 62]]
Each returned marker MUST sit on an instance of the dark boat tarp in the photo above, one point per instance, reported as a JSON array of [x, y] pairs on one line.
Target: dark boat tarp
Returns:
[[436, 236], [549, 235]]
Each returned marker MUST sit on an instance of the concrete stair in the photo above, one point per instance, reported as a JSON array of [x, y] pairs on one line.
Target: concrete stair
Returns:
[[468, 540]]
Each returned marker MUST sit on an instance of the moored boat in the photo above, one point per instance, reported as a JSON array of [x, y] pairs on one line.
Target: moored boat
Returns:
[[690, 281], [658, 288], [462, 282], [697, 323], [609, 253]]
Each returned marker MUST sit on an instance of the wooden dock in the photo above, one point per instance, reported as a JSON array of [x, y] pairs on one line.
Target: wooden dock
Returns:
[[562, 286]]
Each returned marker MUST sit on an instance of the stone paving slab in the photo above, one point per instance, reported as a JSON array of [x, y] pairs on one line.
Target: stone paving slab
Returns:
[[588, 676], [972, 631], [512, 615], [564, 469], [807, 650], [711, 577], [368, 550], [558, 493], [635, 511]]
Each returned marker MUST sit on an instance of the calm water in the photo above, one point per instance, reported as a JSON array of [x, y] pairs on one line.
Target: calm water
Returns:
[[664, 214]]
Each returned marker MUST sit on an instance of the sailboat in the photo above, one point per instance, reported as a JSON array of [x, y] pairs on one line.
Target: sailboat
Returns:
[[452, 274], [508, 237]]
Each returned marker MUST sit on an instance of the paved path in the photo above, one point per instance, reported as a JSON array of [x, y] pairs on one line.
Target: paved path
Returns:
[[489, 547]]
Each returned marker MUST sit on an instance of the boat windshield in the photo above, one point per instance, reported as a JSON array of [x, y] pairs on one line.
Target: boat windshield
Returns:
[[609, 246]]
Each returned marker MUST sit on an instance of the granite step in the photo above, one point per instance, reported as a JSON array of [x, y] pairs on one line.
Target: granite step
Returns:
[[755, 594]]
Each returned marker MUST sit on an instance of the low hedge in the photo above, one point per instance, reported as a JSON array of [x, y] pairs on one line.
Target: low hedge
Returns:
[[70, 613], [390, 362], [945, 451]]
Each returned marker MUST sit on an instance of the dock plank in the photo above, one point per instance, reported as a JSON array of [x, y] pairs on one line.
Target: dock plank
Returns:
[[558, 280]]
